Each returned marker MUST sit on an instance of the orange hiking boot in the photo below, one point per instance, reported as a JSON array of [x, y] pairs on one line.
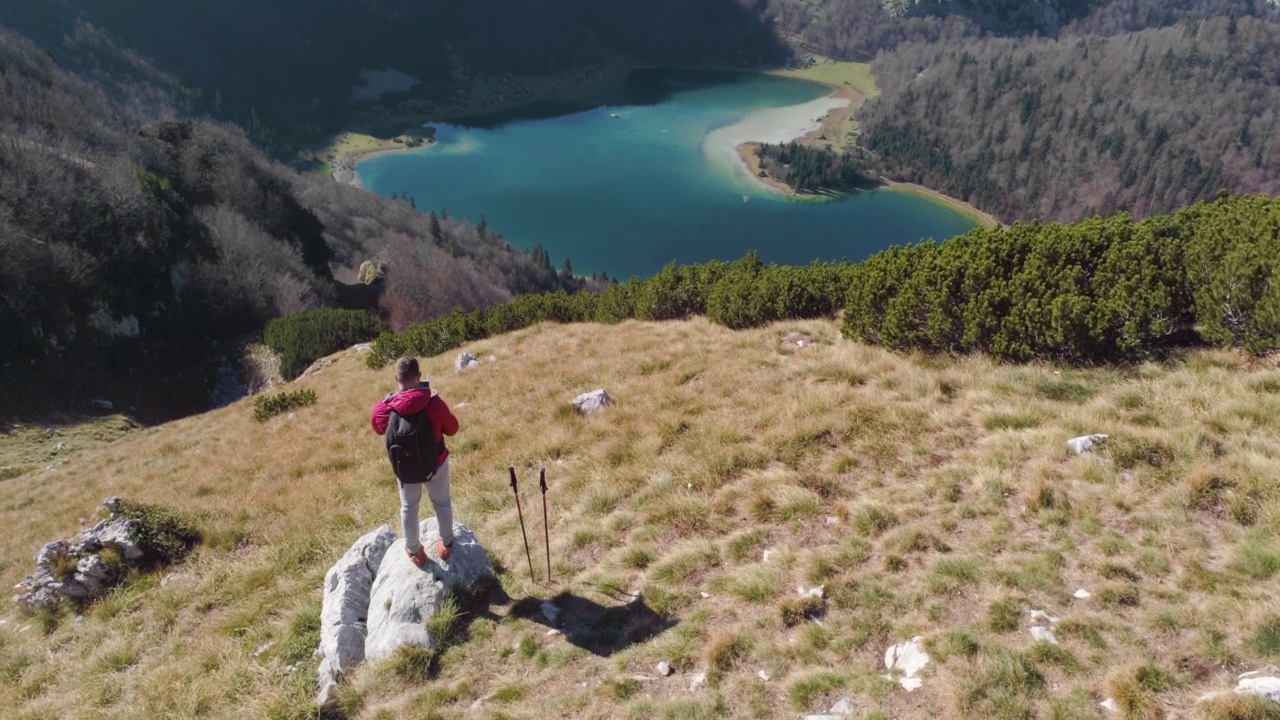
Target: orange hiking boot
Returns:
[[419, 558], [444, 551]]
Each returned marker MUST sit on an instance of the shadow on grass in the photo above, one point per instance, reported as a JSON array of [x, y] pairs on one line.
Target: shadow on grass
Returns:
[[599, 629]]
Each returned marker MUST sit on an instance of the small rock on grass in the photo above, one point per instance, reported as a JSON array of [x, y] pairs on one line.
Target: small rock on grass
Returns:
[[813, 592], [1082, 594], [592, 401], [550, 611], [1043, 633], [1043, 617], [1085, 443], [697, 681], [840, 711], [664, 669]]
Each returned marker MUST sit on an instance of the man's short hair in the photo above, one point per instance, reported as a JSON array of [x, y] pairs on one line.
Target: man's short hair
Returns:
[[407, 367]]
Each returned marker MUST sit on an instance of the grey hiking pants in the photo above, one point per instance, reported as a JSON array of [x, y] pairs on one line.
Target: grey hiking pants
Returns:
[[411, 496]]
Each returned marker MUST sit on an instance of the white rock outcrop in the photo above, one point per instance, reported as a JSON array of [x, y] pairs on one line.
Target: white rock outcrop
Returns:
[[904, 662], [344, 613], [592, 401], [404, 596], [465, 361], [54, 578]]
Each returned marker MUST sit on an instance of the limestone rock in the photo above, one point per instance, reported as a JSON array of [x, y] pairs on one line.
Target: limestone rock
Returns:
[[842, 710], [1084, 444], [796, 340], [697, 681], [1261, 683], [404, 595], [344, 613], [592, 401], [664, 669], [814, 592], [1040, 616], [465, 361], [1082, 594], [550, 611], [74, 568], [1044, 634], [904, 662], [1042, 626]]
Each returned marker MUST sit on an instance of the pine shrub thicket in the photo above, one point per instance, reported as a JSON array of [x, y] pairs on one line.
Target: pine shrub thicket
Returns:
[[266, 407], [300, 340], [1103, 290]]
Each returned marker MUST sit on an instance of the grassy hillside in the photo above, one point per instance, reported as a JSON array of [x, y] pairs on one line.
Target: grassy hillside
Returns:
[[931, 497]]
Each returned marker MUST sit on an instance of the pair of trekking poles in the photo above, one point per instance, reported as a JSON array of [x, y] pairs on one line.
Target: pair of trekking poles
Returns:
[[546, 531]]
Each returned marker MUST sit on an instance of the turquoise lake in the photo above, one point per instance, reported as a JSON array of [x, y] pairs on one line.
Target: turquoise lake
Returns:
[[626, 189]]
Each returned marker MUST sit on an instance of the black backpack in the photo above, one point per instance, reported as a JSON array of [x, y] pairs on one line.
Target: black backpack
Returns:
[[412, 448]]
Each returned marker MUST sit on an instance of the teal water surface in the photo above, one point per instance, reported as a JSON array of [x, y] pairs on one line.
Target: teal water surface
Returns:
[[629, 188]]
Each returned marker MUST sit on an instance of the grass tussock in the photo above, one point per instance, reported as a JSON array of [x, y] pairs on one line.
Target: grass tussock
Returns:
[[931, 496], [1135, 690]]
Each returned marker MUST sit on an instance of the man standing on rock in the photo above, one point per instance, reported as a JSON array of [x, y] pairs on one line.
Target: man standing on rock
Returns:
[[418, 419]]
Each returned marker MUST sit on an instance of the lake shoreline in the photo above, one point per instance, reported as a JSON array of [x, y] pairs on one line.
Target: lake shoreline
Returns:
[[603, 84], [832, 124]]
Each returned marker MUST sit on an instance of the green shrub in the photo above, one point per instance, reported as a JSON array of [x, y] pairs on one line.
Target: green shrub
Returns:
[[300, 340], [1232, 247], [163, 535], [1106, 289], [266, 407]]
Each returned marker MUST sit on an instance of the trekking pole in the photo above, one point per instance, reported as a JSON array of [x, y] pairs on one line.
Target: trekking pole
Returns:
[[546, 530], [515, 489]]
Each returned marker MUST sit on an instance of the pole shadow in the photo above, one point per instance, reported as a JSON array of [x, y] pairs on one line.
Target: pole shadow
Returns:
[[601, 629]]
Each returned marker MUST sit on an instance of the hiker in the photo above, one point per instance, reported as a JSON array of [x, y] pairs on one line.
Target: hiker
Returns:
[[412, 454]]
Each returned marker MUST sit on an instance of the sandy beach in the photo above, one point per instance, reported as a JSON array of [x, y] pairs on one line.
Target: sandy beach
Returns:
[[774, 126]]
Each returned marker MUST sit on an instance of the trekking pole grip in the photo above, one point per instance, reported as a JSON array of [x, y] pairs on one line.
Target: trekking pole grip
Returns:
[[512, 470]]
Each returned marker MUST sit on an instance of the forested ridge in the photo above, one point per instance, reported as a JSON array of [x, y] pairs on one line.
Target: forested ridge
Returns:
[[1109, 105], [133, 254], [1064, 129]]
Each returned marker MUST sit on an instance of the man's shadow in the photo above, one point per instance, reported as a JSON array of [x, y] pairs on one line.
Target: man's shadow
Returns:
[[601, 629]]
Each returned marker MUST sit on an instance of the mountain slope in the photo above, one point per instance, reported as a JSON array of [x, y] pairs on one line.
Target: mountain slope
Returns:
[[129, 250], [957, 509]]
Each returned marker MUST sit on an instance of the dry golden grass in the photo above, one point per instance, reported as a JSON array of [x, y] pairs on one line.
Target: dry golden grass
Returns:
[[931, 497]]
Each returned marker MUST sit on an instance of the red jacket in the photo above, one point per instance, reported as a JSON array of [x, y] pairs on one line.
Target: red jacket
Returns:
[[410, 402]]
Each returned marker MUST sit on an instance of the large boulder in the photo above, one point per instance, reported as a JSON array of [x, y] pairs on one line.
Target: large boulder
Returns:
[[344, 614], [404, 596]]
